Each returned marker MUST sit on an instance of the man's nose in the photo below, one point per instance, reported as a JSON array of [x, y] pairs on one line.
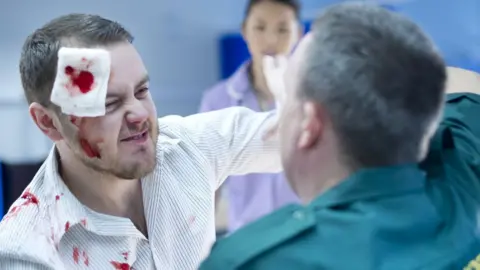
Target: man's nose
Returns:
[[137, 113]]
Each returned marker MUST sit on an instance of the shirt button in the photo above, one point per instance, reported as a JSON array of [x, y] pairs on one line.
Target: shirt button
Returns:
[[299, 215]]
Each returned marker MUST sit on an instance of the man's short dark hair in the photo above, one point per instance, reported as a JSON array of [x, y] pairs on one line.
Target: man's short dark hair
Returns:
[[380, 80], [38, 62]]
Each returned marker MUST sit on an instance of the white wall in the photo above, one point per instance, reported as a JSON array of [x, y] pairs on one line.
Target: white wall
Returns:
[[178, 42]]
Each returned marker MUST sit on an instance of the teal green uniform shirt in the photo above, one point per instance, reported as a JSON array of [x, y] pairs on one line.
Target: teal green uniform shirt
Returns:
[[413, 216]]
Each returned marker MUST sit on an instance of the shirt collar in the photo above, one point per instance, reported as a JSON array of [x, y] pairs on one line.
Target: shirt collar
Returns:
[[68, 211], [239, 83], [372, 183]]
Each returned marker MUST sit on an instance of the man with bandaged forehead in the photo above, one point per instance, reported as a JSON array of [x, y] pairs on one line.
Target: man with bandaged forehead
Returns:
[[120, 189]]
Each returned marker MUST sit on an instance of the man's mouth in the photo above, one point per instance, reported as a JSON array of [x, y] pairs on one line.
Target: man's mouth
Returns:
[[139, 137]]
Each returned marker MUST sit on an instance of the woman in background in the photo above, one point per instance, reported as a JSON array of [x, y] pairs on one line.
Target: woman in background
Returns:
[[271, 27]]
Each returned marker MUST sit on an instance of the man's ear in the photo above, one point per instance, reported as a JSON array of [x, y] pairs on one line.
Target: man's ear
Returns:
[[46, 121], [311, 127]]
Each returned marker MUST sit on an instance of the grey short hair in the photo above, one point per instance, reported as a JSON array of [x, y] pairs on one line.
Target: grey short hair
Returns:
[[38, 61], [379, 78]]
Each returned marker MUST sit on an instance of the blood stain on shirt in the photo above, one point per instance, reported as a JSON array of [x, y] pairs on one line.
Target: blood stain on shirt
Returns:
[[67, 226], [30, 198], [120, 266], [76, 254], [86, 260], [57, 197]]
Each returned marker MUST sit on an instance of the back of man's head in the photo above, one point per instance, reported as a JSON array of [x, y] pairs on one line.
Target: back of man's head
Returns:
[[380, 80], [38, 62]]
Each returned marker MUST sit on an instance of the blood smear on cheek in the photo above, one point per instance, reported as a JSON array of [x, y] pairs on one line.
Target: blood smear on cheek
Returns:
[[88, 149]]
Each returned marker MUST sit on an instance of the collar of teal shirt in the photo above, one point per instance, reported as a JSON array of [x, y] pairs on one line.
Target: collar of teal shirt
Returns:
[[373, 183]]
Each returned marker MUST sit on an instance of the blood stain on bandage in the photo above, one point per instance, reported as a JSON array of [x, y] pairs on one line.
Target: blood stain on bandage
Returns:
[[82, 79]]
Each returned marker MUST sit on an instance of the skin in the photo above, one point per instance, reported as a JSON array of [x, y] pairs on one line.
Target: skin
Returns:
[[102, 183], [309, 148], [270, 29]]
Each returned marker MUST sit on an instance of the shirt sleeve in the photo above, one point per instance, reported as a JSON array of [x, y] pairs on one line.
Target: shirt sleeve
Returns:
[[461, 117], [461, 126], [232, 141]]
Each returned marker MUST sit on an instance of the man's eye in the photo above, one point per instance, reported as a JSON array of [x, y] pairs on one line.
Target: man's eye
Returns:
[[142, 92], [111, 103]]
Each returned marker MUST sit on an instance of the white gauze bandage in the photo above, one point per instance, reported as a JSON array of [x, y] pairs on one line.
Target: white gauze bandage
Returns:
[[80, 87]]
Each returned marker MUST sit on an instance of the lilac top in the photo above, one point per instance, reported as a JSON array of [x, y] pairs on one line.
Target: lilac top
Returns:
[[255, 195]]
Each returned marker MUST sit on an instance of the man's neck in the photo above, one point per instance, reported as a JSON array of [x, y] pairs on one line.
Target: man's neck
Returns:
[[100, 192], [317, 188], [314, 179]]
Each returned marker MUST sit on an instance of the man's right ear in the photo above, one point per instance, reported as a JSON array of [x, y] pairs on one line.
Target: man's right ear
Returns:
[[45, 120]]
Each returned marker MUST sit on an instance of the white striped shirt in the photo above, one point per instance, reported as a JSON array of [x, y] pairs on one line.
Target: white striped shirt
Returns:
[[48, 228]]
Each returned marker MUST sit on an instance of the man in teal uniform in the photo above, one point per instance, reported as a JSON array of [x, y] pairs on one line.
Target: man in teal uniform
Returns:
[[382, 189]]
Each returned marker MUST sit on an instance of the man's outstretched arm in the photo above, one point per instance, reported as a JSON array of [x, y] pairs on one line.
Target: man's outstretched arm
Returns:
[[232, 140]]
